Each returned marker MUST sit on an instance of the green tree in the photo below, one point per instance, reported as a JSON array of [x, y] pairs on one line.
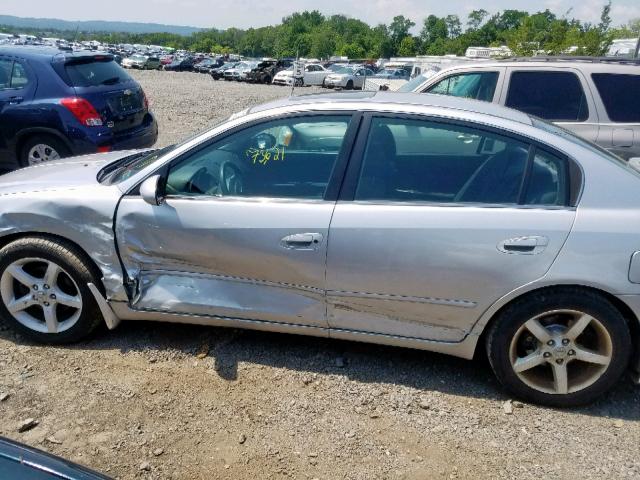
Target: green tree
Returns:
[[399, 29], [407, 47], [476, 17], [433, 29], [454, 26]]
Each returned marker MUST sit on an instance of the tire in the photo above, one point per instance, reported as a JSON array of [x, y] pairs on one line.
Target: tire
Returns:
[[53, 143], [267, 80], [349, 85], [605, 326], [83, 320]]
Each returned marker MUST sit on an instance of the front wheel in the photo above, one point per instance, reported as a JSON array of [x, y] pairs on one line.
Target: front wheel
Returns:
[[561, 349], [44, 292]]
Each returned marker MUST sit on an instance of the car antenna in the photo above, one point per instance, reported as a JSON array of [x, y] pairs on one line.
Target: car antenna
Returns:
[[296, 65]]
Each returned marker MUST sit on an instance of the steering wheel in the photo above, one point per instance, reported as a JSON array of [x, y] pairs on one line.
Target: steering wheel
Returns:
[[230, 179]]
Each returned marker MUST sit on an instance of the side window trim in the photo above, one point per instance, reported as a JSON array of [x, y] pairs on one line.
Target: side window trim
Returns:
[[573, 172], [335, 179]]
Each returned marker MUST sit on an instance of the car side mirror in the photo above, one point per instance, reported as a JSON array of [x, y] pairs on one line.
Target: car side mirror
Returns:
[[150, 190]]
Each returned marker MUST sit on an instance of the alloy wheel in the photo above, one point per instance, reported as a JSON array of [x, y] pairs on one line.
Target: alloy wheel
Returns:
[[561, 351], [41, 295]]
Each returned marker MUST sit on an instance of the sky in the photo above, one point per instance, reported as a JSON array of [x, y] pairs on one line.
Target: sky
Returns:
[[257, 13]]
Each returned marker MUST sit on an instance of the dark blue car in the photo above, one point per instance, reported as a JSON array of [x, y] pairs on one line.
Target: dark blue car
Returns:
[[20, 462], [57, 104]]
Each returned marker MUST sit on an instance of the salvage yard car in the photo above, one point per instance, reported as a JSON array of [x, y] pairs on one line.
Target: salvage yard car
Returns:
[[265, 71], [184, 64], [313, 74], [594, 97], [55, 104], [142, 62], [421, 221], [347, 78], [218, 73]]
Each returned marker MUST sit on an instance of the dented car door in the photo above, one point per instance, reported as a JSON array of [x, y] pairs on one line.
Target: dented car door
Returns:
[[242, 232]]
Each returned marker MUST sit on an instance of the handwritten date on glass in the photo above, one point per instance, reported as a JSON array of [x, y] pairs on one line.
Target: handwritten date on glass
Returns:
[[262, 157]]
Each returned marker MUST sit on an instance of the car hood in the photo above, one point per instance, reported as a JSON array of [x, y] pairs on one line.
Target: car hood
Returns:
[[62, 174]]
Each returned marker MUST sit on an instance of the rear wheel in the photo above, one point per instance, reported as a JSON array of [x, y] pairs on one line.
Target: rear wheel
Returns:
[[42, 148], [44, 292], [562, 348]]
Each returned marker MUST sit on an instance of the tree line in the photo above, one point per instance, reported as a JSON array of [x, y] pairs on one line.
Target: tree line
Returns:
[[312, 34]]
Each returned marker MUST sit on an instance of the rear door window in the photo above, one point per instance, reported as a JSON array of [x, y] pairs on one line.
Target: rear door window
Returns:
[[620, 95], [477, 85], [411, 160], [6, 67], [19, 78], [95, 72], [552, 95]]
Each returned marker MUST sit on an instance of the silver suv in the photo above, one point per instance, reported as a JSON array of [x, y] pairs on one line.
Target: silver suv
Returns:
[[597, 98]]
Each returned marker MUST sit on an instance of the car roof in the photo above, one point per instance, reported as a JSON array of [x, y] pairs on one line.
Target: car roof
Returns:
[[595, 64], [47, 53], [397, 98]]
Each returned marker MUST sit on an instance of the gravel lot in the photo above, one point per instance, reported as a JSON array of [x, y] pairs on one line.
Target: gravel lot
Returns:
[[153, 400]]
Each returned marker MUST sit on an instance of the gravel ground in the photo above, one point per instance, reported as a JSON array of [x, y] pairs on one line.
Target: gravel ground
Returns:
[[187, 103], [154, 400]]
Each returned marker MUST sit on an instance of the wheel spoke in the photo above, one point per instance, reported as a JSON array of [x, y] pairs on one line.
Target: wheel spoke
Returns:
[[560, 378], [526, 363], [23, 277], [588, 356], [51, 318], [578, 327], [68, 300], [19, 304], [51, 275], [538, 331]]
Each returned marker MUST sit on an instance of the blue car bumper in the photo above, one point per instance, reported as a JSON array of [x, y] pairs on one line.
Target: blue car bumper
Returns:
[[90, 140]]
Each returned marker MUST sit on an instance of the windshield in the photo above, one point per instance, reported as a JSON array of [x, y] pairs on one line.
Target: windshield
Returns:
[[138, 57], [94, 72], [414, 83]]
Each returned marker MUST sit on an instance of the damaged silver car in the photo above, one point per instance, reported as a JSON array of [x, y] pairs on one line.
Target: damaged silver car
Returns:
[[419, 221]]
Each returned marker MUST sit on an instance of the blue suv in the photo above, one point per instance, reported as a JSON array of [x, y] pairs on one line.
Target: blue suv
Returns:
[[55, 104]]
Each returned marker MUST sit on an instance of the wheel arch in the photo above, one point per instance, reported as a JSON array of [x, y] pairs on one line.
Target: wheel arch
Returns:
[[26, 134], [625, 310], [7, 239]]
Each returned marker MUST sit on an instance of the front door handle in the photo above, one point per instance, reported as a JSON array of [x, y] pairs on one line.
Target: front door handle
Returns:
[[529, 245], [302, 241], [15, 100]]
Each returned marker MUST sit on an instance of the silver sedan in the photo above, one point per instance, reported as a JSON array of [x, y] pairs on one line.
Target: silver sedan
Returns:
[[419, 221]]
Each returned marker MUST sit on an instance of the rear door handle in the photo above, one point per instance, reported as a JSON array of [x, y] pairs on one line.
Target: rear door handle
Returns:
[[302, 241], [530, 245]]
